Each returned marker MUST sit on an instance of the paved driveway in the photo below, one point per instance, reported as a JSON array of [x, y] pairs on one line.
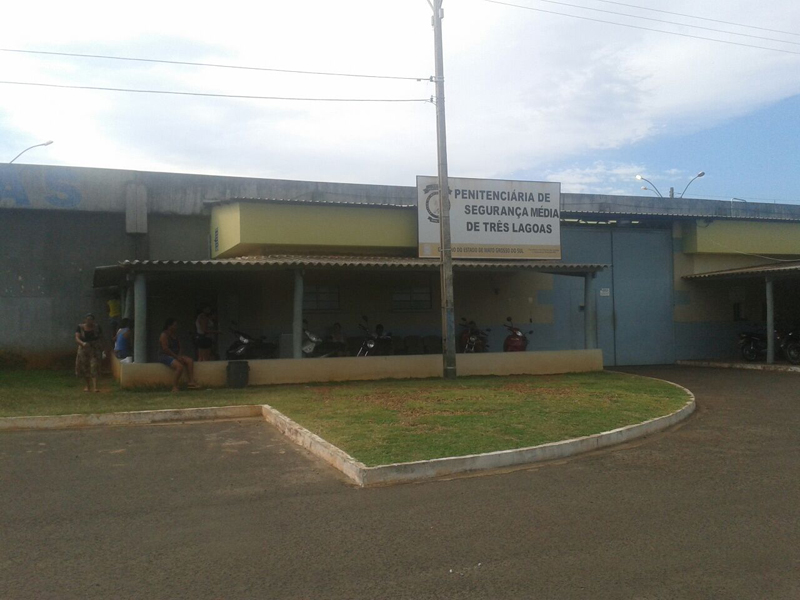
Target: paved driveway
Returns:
[[230, 510]]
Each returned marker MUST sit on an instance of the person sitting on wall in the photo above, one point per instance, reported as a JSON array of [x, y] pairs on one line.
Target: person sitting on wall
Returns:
[[337, 341], [204, 326], [213, 330], [122, 341], [90, 352], [169, 354], [383, 341]]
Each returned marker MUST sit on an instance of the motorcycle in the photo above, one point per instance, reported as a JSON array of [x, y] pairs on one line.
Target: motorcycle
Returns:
[[377, 343], [249, 347], [473, 339], [315, 347], [754, 345], [516, 341]]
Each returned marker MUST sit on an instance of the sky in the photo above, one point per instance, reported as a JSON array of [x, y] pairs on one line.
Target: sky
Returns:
[[530, 95]]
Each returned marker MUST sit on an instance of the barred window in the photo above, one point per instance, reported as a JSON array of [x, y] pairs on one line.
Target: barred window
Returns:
[[412, 298], [320, 297]]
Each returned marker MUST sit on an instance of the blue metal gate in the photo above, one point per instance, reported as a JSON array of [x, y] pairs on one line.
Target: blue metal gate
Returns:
[[642, 297], [585, 245]]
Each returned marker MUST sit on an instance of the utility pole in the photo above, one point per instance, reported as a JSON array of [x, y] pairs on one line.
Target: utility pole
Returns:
[[445, 251]]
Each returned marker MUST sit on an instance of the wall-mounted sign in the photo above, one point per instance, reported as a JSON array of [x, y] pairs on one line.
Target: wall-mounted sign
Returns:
[[492, 218], [605, 292]]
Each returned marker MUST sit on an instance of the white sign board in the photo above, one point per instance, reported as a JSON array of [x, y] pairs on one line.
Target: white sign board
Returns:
[[492, 219]]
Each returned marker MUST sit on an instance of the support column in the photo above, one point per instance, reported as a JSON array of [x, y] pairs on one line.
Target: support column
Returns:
[[589, 311], [127, 307], [770, 322], [297, 319], [139, 319]]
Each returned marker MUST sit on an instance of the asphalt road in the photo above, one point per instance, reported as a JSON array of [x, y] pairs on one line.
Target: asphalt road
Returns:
[[229, 510]]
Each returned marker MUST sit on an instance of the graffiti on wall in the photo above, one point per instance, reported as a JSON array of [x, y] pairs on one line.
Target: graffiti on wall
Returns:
[[60, 189]]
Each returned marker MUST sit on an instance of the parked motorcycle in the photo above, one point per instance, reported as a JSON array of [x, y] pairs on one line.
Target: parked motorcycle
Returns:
[[315, 347], [473, 339], [375, 343], [754, 345], [516, 340], [249, 347]]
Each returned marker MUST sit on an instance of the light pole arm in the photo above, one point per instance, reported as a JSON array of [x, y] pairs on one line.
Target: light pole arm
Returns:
[[687, 185], [29, 148], [654, 186]]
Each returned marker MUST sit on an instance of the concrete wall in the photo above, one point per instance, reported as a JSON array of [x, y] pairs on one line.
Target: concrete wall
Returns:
[[285, 371], [108, 190], [47, 262], [177, 237]]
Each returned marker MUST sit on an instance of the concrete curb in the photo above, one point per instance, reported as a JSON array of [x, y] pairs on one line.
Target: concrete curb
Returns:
[[736, 365], [359, 473], [319, 447], [142, 417], [438, 467]]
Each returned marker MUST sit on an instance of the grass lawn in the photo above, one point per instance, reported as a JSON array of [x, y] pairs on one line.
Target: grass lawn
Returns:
[[389, 421]]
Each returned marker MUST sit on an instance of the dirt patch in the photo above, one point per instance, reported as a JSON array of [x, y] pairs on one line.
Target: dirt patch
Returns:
[[417, 412], [533, 390]]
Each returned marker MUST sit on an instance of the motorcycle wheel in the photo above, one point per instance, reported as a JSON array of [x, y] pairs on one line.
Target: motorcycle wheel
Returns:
[[750, 352], [793, 353]]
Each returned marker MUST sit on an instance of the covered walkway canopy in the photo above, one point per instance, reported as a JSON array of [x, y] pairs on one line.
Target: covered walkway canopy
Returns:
[[769, 273], [136, 272]]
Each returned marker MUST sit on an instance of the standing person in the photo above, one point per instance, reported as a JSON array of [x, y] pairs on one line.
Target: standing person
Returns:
[[90, 352], [204, 325], [213, 325], [122, 341], [114, 313], [169, 353]]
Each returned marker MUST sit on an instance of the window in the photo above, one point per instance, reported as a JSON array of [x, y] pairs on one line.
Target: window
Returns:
[[412, 298], [320, 297]]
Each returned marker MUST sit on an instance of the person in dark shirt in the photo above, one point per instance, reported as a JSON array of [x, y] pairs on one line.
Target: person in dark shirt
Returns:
[[90, 352], [169, 354]]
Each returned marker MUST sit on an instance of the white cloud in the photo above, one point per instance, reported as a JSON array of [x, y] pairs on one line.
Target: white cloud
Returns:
[[524, 89]]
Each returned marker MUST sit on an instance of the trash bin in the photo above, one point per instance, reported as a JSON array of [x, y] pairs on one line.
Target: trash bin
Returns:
[[238, 373]]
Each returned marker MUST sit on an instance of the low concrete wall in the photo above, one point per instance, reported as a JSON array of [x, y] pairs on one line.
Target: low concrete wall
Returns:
[[288, 370], [529, 363], [133, 375]]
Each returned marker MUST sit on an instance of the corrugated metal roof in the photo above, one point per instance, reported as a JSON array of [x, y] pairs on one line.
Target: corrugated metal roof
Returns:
[[781, 269], [110, 275]]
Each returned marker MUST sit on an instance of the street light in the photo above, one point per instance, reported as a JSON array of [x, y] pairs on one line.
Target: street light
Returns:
[[47, 143], [700, 174], [671, 189], [655, 189]]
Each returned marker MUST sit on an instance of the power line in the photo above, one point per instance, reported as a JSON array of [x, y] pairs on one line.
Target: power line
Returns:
[[620, 14], [677, 14], [214, 65], [686, 35], [209, 95]]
